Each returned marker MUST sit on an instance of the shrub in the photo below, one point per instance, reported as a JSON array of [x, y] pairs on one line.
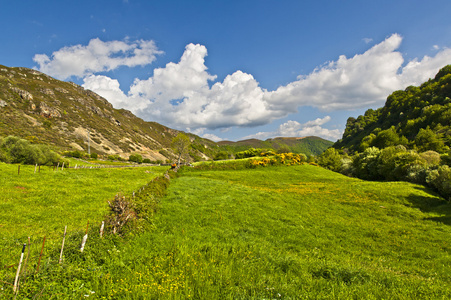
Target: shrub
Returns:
[[440, 179], [17, 150], [330, 159], [366, 164], [147, 161], [221, 155], [137, 158]]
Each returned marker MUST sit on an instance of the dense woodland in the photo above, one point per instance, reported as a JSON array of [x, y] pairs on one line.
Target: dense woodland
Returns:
[[407, 139]]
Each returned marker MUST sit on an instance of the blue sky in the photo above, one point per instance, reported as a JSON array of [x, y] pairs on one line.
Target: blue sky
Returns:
[[233, 69]]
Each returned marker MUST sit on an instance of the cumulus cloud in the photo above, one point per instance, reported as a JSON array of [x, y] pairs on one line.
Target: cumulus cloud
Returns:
[[97, 56], [180, 93], [185, 95], [296, 129]]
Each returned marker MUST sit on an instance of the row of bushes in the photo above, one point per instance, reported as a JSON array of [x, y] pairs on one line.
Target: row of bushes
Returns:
[[394, 163], [133, 213], [16, 150]]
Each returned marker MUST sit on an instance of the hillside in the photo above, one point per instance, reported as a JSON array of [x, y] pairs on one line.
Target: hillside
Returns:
[[310, 145], [45, 110], [418, 117]]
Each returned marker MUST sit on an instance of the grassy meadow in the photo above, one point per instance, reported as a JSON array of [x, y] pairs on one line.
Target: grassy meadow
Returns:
[[299, 232]]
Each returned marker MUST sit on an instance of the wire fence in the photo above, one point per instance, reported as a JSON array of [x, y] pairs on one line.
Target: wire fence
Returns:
[[24, 257]]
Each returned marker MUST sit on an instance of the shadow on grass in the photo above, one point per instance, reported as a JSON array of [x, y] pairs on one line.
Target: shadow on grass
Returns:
[[432, 203]]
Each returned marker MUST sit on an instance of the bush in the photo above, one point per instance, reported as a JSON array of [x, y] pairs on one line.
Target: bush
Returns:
[[440, 179], [17, 150], [330, 159], [137, 158], [221, 155], [366, 164], [147, 161]]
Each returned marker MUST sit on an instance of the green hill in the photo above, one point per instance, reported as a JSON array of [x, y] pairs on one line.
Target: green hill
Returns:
[[418, 118], [310, 145], [68, 117]]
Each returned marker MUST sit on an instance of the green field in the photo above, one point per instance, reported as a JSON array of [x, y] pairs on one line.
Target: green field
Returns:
[[298, 232]]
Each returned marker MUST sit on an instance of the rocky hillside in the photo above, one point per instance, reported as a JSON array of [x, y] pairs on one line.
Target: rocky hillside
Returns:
[[68, 117]]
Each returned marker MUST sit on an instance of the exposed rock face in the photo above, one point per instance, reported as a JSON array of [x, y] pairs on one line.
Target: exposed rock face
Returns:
[[23, 94], [48, 92], [3, 103], [49, 112]]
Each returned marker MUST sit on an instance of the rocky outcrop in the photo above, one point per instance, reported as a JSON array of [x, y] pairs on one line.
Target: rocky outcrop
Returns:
[[23, 94], [49, 112]]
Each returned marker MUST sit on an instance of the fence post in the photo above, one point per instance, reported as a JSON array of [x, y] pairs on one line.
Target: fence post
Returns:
[[26, 258], [101, 228], [40, 256], [18, 170], [85, 238], [15, 288], [62, 246]]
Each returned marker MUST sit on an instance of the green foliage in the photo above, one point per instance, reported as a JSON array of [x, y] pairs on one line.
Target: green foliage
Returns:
[[137, 158], [330, 159], [17, 150], [180, 144], [427, 139], [76, 154], [115, 157], [221, 155], [252, 152], [441, 180]]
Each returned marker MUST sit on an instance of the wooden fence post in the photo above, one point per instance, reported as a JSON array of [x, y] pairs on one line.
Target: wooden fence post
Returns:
[[26, 258], [18, 170], [40, 256]]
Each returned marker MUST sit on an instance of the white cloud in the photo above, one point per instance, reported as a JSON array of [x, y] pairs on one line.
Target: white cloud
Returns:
[[97, 56], [296, 129], [237, 101], [212, 137], [367, 40], [185, 95]]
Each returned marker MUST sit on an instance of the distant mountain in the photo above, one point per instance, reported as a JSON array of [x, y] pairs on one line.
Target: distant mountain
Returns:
[[62, 114], [310, 145], [418, 118]]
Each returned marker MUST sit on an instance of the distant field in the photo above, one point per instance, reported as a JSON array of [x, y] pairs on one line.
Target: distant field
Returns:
[[270, 233]]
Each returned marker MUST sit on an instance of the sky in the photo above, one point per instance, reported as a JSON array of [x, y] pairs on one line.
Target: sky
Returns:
[[233, 70]]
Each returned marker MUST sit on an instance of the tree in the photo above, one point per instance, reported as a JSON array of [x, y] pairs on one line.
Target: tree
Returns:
[[137, 158], [330, 159], [180, 144]]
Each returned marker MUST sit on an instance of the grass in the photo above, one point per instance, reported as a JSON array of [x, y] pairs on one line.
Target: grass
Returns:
[[270, 233]]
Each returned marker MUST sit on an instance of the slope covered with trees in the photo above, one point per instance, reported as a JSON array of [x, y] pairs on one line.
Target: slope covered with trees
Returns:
[[418, 118], [408, 139]]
